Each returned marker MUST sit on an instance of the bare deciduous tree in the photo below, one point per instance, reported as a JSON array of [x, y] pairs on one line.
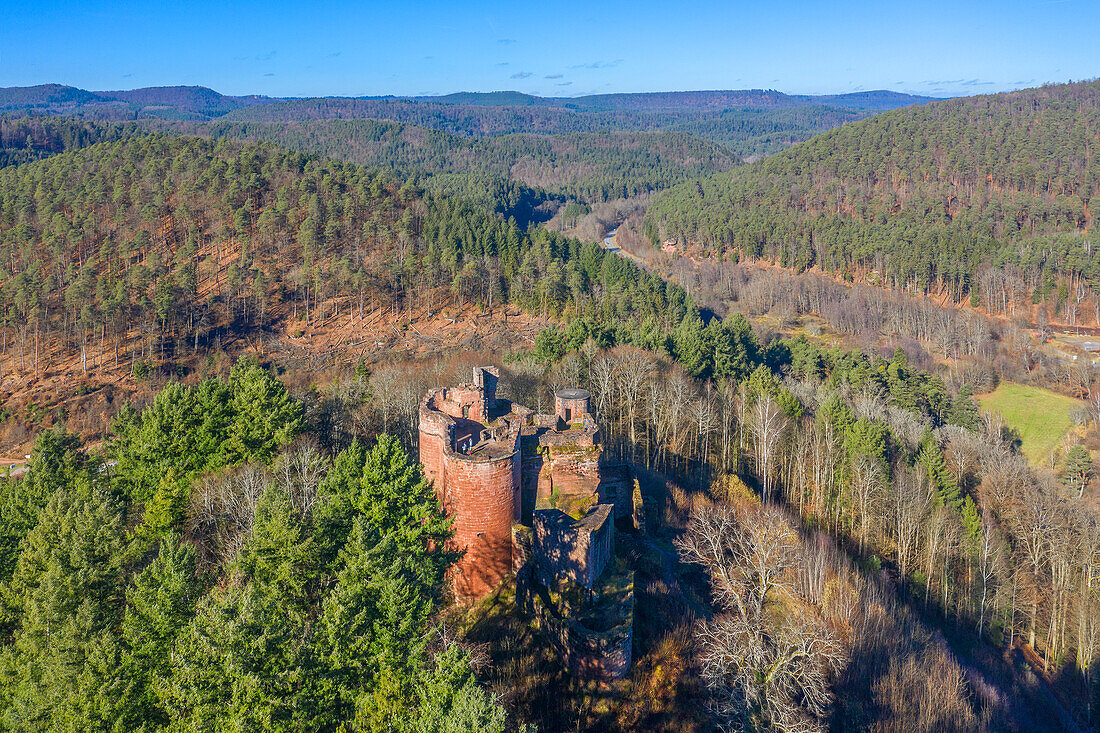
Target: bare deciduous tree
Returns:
[[866, 481], [768, 424], [223, 511], [764, 670], [299, 473]]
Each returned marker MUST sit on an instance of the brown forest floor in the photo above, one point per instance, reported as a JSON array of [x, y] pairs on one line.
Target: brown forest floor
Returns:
[[86, 396]]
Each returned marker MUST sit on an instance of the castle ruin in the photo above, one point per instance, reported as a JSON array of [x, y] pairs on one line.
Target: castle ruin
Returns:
[[531, 495]]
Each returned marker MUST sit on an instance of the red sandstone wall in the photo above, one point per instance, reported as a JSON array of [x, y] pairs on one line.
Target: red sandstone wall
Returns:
[[517, 484], [480, 496], [460, 396], [577, 406], [434, 438], [431, 456]]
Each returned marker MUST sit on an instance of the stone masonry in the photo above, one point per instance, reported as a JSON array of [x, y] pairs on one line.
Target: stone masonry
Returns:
[[530, 496]]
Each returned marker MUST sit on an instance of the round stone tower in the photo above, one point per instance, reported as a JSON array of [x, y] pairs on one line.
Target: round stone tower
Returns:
[[571, 404], [475, 466], [481, 495]]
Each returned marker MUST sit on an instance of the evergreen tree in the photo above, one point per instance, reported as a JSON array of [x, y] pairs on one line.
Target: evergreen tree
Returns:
[[373, 631], [180, 433], [246, 660], [964, 409], [947, 489], [265, 417], [388, 490], [189, 430], [549, 345], [160, 604], [1077, 470], [694, 349], [736, 351], [451, 701], [57, 460], [931, 457], [868, 438], [62, 606]]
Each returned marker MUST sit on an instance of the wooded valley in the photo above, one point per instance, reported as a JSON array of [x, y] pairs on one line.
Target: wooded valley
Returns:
[[217, 324]]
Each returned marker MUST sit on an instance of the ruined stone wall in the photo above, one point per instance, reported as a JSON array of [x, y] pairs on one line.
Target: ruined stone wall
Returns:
[[463, 401], [481, 491], [485, 379], [577, 458], [605, 655], [601, 545], [435, 439], [523, 547], [594, 654], [571, 551], [569, 479], [617, 484]]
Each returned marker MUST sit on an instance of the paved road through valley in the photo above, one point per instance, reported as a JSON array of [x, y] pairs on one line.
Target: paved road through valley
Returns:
[[610, 246]]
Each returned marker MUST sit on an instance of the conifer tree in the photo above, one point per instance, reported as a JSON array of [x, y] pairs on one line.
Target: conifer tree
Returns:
[[389, 491], [964, 409], [57, 460], [62, 607], [736, 351], [693, 347], [373, 630], [1077, 470], [451, 701], [246, 660], [265, 417], [160, 604]]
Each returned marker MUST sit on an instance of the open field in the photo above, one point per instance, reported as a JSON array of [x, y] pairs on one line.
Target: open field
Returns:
[[1040, 416]]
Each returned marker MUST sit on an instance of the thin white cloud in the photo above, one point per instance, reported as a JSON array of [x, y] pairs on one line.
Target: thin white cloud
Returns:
[[598, 64]]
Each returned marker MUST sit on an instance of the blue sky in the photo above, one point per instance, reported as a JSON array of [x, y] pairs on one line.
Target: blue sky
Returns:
[[549, 48]]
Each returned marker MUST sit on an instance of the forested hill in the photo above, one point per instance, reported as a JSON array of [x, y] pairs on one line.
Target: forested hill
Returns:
[[585, 166], [745, 130], [151, 245], [926, 194], [750, 122], [880, 99], [732, 99], [459, 119], [202, 101], [511, 174], [28, 139], [44, 96], [685, 101], [178, 101]]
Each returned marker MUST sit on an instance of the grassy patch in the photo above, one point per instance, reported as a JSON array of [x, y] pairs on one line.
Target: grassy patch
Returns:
[[1041, 417]]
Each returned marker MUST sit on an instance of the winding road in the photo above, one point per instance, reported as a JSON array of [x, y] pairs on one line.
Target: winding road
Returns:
[[610, 246]]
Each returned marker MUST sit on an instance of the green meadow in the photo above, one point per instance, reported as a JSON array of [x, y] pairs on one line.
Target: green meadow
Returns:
[[1041, 417]]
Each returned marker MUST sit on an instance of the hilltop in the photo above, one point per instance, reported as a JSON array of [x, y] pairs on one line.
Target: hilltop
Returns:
[[44, 96], [172, 101], [879, 99], [205, 102], [724, 99], [751, 122], [585, 166]]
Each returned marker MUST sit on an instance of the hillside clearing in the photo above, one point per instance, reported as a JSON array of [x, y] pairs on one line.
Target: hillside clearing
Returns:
[[1041, 417]]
